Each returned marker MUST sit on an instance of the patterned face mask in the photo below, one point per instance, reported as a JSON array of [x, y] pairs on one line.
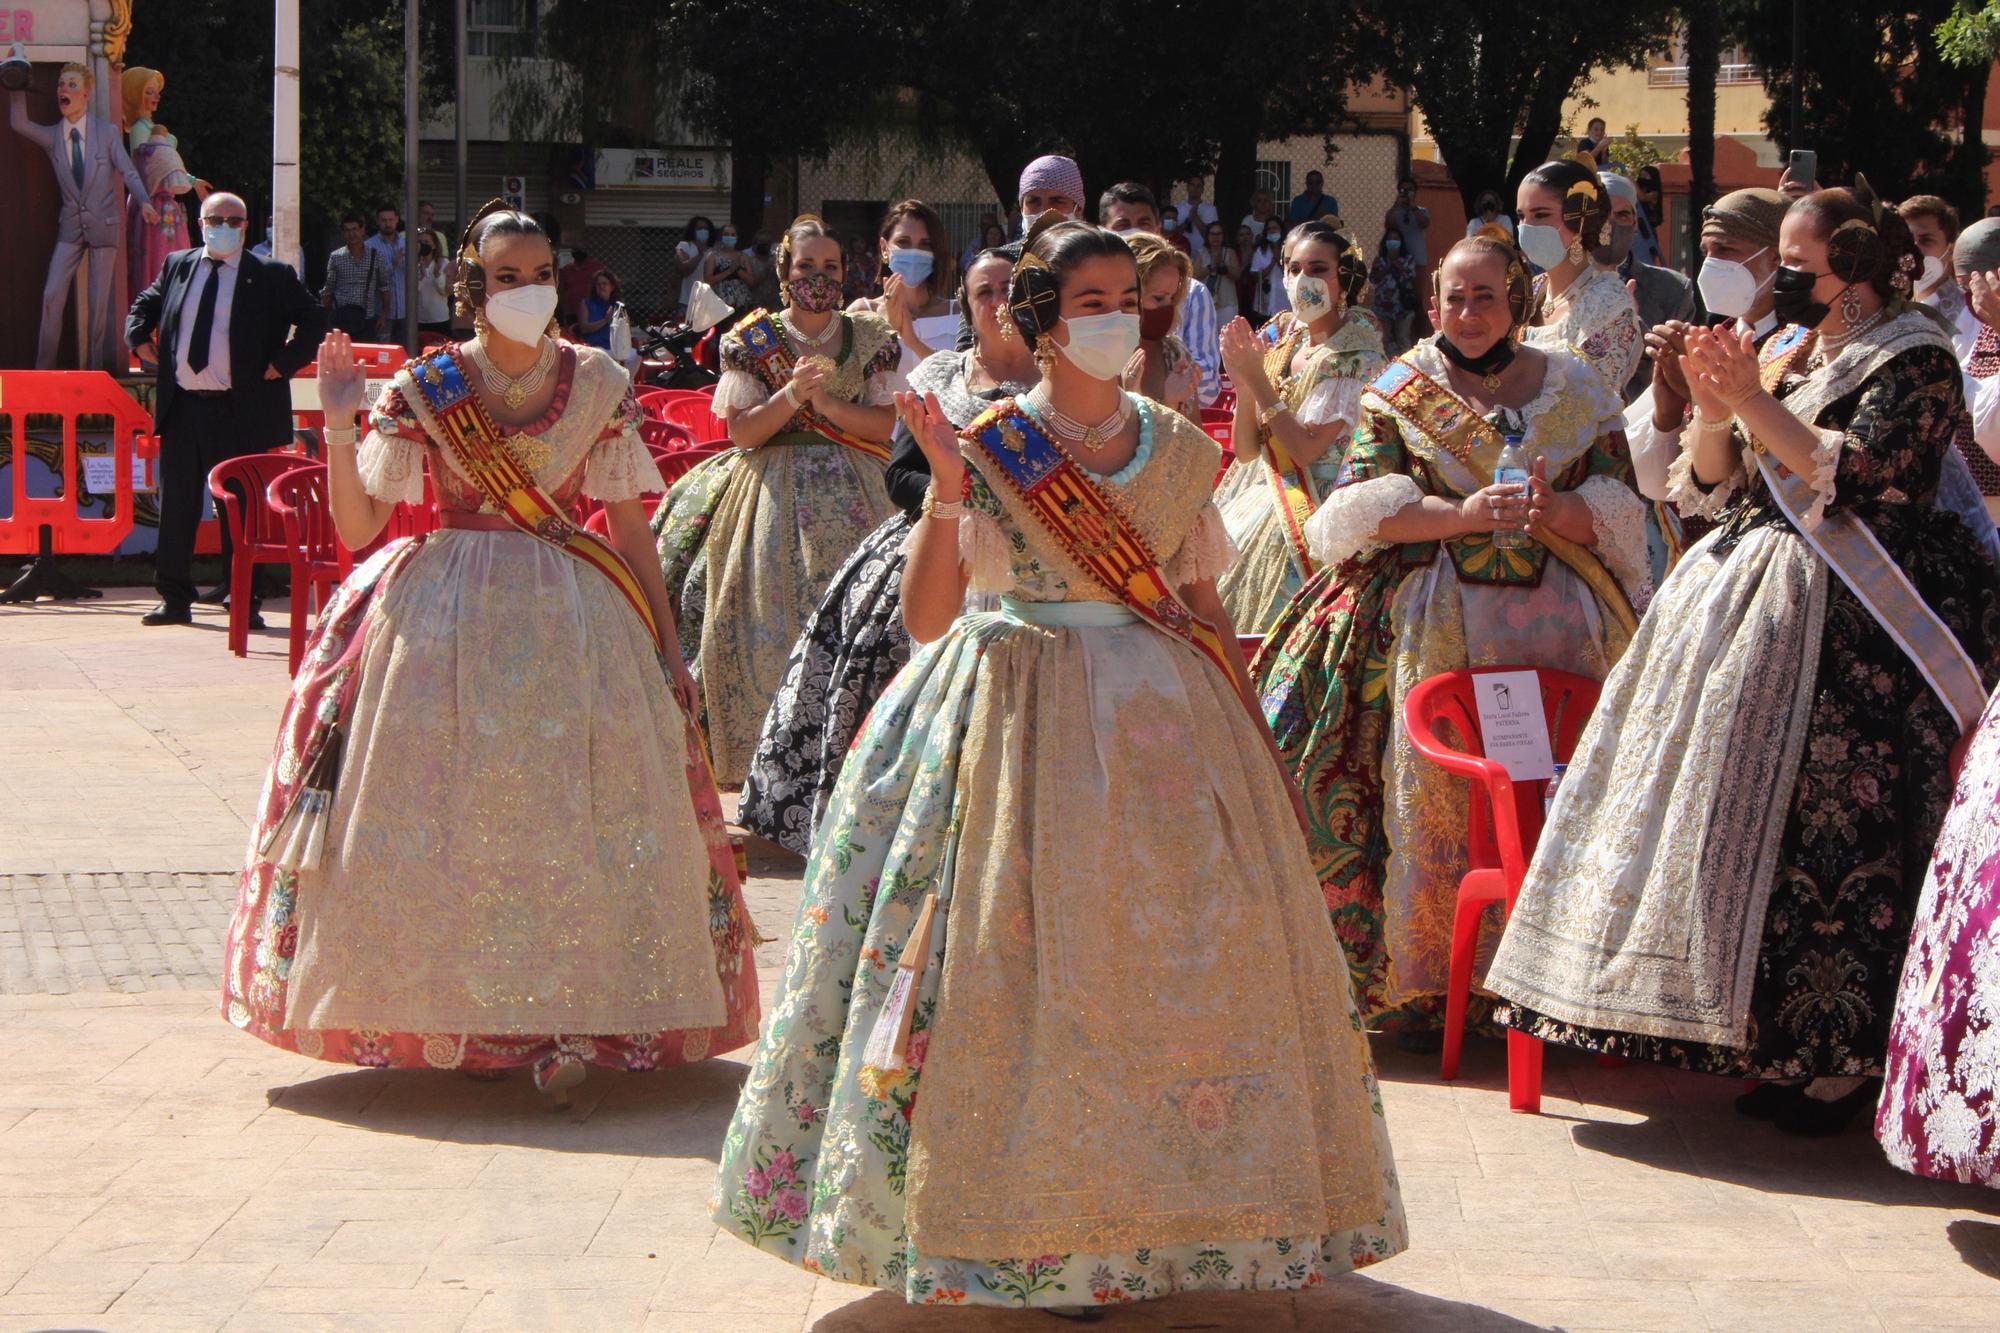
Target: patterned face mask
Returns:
[[815, 293]]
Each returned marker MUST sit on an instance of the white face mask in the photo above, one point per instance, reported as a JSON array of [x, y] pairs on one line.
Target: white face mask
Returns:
[[1310, 296], [1729, 288], [1933, 272], [1543, 245], [522, 313], [1100, 345]]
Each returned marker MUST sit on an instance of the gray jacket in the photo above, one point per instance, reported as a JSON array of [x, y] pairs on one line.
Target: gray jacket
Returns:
[[93, 214]]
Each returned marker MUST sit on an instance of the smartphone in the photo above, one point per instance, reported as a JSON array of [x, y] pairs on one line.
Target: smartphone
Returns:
[[1804, 165]]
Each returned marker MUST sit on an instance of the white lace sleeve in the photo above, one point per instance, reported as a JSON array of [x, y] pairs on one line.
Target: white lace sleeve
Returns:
[[1206, 552], [391, 467], [1653, 450], [1686, 493], [1618, 519], [1331, 400], [1826, 466], [1345, 525], [880, 388], [982, 547], [620, 467], [739, 391]]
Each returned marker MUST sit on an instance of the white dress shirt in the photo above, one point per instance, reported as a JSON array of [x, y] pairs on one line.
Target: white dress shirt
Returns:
[[81, 127], [1654, 450], [213, 377]]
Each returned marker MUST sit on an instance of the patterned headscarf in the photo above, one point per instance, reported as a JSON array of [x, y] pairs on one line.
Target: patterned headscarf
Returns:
[[1052, 172], [1748, 215]]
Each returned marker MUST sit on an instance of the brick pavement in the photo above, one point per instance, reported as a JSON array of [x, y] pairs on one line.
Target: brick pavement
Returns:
[[160, 1171]]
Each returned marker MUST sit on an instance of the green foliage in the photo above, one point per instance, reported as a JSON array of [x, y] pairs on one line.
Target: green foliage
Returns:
[[1632, 152], [1483, 76], [1970, 34], [1884, 107]]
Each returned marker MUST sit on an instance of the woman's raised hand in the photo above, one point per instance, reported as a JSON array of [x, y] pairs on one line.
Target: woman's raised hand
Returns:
[[924, 418], [1242, 354], [340, 380], [1721, 370]]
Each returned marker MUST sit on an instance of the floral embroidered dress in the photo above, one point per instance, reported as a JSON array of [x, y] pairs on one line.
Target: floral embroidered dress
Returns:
[[1727, 879], [1321, 383], [749, 540], [1094, 812], [525, 854], [853, 644], [1387, 827], [1940, 1109], [147, 244]]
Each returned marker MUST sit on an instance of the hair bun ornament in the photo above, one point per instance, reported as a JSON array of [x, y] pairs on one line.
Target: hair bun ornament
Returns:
[[1854, 253], [1034, 301]]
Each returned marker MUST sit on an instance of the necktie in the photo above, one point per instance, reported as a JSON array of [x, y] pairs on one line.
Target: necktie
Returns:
[[204, 320], [76, 155]]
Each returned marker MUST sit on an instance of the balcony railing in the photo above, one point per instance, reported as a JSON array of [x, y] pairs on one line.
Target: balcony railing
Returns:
[[1676, 76]]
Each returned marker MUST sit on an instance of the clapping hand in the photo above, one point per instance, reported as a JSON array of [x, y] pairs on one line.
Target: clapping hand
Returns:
[[924, 418], [339, 379], [808, 378], [1721, 370], [1666, 344], [1242, 354], [1982, 290]]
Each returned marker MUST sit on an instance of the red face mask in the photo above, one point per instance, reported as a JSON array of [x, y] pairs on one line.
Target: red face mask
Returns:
[[1155, 323]]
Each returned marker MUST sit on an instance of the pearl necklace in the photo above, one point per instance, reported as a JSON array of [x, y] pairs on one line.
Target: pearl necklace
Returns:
[[515, 390], [1089, 437], [819, 339]]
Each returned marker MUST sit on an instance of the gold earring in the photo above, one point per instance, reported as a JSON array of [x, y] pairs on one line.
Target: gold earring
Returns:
[[1576, 252], [479, 324], [1850, 304]]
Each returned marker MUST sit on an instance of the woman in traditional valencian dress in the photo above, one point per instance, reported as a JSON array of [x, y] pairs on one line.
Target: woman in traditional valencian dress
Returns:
[[976, 1087], [1728, 876], [1298, 395], [1416, 580], [750, 540], [855, 641], [1940, 1110], [488, 838]]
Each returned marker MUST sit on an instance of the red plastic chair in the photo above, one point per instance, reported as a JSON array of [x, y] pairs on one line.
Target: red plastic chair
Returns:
[[1223, 432], [258, 536], [697, 417], [664, 435], [1504, 824], [318, 560]]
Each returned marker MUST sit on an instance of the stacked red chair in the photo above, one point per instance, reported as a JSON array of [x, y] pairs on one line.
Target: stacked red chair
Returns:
[[317, 558]]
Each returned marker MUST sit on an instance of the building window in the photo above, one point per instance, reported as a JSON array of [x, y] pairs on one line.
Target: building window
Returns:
[[499, 28], [1735, 68]]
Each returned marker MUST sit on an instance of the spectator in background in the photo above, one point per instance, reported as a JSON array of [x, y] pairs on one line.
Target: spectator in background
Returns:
[[727, 269], [1933, 225], [1196, 214], [688, 254], [1267, 271], [1490, 219], [388, 243], [573, 285], [1050, 181], [427, 216], [1130, 206], [357, 286], [1163, 369], [1261, 209], [1314, 203], [918, 284], [988, 223], [1647, 248], [600, 304], [1410, 220], [1246, 281], [1595, 144], [1398, 294], [1170, 228], [433, 286], [863, 271], [764, 290], [1218, 266], [1662, 294]]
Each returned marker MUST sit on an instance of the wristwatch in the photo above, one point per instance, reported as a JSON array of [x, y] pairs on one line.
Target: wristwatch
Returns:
[[1266, 415]]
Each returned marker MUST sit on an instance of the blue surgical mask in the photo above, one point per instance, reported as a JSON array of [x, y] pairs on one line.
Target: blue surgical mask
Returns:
[[223, 241], [729, 242], [912, 265], [701, 235]]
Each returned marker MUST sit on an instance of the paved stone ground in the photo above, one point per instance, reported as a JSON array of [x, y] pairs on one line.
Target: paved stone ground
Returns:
[[160, 1171]]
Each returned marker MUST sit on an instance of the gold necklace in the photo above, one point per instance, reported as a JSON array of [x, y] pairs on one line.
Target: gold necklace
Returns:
[[1092, 438], [512, 390]]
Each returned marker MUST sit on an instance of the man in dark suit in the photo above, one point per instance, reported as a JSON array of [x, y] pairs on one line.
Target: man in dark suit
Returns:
[[232, 329], [88, 155]]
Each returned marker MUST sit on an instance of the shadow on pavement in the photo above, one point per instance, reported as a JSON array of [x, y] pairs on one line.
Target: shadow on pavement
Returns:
[[680, 1112], [1347, 1302]]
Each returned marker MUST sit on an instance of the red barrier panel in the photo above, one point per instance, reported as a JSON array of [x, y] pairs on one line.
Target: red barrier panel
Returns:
[[53, 525]]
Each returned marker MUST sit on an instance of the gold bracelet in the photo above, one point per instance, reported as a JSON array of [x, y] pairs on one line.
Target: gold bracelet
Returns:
[[1266, 415]]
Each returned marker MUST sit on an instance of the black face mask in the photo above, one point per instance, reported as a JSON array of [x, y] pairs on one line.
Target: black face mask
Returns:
[[1791, 297], [1490, 362]]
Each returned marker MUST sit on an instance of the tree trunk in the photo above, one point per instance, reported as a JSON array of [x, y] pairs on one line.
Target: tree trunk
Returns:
[[1543, 118], [747, 175], [1235, 175], [1704, 63]]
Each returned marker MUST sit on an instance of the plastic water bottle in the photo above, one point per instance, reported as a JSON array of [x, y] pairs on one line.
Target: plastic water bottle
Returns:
[[1549, 792], [1511, 469]]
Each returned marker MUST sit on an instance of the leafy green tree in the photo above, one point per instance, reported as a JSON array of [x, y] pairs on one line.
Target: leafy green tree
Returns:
[[1492, 84], [1883, 102]]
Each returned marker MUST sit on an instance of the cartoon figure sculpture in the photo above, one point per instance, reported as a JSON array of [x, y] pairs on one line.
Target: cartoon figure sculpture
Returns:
[[88, 156], [156, 154]]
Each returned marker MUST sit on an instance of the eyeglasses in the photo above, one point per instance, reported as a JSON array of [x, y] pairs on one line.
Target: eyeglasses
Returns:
[[237, 222]]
